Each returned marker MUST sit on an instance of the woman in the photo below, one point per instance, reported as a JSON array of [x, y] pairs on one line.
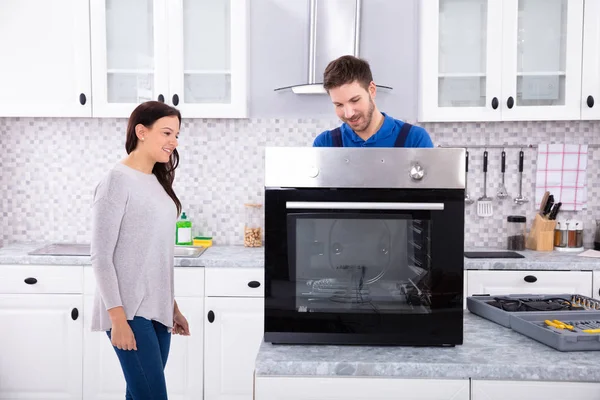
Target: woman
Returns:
[[133, 237]]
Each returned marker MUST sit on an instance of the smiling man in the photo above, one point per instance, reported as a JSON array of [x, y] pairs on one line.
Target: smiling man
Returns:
[[349, 82]]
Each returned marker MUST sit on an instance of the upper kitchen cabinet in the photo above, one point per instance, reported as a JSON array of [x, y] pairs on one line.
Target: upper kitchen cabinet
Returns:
[[590, 103], [46, 50], [541, 55], [129, 54], [509, 60], [461, 69], [208, 57], [188, 53]]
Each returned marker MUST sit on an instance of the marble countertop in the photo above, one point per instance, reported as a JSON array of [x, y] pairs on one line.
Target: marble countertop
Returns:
[[489, 351], [240, 256], [214, 256]]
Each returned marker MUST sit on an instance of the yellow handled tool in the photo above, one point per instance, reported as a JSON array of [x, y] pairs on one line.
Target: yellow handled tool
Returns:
[[563, 325]]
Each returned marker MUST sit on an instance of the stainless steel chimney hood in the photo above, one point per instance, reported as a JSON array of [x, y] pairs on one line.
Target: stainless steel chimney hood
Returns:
[[334, 32]]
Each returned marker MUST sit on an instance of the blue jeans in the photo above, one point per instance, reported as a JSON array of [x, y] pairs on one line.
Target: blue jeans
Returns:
[[144, 368]]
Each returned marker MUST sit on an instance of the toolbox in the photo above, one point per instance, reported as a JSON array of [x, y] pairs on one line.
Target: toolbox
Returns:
[[565, 322]]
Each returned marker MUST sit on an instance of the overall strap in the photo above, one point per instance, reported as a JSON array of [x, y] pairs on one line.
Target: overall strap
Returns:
[[404, 131], [336, 137]]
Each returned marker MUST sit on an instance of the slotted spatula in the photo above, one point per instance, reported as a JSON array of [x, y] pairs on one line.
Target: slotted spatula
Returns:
[[484, 203]]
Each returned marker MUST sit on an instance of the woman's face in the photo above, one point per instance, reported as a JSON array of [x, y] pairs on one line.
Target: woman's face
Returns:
[[160, 139]]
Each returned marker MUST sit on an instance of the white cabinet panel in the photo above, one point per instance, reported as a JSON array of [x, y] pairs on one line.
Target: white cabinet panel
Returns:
[[501, 390], [46, 58], [590, 94]]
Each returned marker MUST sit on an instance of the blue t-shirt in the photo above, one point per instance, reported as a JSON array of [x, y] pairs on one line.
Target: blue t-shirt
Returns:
[[385, 137]]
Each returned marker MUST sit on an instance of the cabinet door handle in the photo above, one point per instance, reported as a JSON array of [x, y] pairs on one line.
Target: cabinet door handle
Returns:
[[254, 284], [495, 103], [74, 314], [590, 101], [510, 102], [82, 99], [530, 279], [175, 99], [211, 316], [30, 281], [161, 98]]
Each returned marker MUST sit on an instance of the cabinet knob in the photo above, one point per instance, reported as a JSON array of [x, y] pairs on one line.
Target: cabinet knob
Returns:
[[211, 316], [510, 102], [30, 281], [254, 284], [161, 98], [74, 314], [82, 99], [590, 101], [175, 99], [530, 279], [495, 103]]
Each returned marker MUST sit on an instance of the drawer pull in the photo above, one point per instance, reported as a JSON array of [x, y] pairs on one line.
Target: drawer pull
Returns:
[[74, 314], [211, 316], [30, 281], [254, 284], [530, 279]]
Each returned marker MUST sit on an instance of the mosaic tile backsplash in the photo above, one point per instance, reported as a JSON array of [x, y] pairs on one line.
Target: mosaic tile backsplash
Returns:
[[50, 166]]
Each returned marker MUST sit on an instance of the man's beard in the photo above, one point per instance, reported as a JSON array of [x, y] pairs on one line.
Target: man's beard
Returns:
[[367, 118]]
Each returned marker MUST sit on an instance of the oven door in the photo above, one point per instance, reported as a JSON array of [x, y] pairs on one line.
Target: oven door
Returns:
[[385, 267]]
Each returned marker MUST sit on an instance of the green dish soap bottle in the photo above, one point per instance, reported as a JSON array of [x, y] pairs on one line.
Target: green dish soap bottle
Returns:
[[183, 232]]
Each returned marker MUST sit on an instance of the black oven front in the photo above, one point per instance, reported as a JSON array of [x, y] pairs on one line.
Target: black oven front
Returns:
[[364, 265]]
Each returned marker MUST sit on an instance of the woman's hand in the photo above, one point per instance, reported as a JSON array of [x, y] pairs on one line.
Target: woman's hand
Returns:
[[121, 335], [180, 324]]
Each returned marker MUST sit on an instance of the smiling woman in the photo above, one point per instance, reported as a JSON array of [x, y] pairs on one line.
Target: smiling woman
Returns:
[[133, 219]]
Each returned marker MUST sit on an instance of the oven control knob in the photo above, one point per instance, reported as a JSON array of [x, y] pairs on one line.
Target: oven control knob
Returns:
[[313, 172], [417, 172]]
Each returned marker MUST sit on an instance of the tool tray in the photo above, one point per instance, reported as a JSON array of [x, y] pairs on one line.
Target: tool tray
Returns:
[[580, 312]]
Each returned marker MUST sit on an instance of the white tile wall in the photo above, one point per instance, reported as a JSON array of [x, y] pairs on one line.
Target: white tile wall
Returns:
[[49, 167]]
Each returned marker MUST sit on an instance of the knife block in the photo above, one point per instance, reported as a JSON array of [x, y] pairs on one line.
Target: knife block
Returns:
[[541, 234]]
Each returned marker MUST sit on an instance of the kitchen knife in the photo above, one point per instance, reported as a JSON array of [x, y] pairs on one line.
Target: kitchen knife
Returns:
[[554, 211], [544, 202], [549, 205]]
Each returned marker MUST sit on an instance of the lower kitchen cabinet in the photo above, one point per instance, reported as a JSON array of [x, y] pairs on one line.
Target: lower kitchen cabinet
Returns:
[[40, 346], [231, 346], [103, 377], [596, 285], [528, 282], [530, 390], [309, 388]]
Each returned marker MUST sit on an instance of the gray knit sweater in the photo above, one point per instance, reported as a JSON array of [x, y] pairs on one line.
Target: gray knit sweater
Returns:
[[133, 239]]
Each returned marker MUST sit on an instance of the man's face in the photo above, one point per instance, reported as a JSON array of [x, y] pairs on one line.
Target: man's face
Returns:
[[354, 104]]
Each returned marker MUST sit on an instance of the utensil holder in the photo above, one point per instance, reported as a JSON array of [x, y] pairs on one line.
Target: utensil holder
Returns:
[[541, 234]]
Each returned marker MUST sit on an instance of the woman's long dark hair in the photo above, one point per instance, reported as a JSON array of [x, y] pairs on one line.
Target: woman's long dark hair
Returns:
[[147, 114]]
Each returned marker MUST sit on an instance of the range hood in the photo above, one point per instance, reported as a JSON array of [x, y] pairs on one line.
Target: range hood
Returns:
[[334, 31]]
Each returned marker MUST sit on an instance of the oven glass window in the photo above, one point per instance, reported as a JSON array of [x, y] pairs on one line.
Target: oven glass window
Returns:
[[361, 263]]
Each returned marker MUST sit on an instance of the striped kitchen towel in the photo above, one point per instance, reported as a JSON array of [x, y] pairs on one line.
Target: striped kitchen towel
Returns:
[[561, 170]]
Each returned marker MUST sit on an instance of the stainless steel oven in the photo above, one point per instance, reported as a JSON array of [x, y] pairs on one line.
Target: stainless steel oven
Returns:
[[364, 246]]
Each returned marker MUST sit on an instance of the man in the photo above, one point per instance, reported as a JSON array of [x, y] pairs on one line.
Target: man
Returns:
[[349, 83]]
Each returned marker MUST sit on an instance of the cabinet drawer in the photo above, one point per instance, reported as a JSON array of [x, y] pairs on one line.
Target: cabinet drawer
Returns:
[[529, 282], [232, 282], [189, 282], [41, 279]]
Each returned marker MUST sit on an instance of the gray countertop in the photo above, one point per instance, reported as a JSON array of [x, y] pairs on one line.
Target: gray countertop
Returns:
[[215, 256], [240, 256], [489, 351]]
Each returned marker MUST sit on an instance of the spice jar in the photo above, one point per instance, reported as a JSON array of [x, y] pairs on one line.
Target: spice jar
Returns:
[[516, 232], [579, 234], [253, 225], [572, 234], [558, 234]]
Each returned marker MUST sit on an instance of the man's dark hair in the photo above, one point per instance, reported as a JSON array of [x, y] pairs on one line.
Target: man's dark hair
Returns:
[[347, 69]]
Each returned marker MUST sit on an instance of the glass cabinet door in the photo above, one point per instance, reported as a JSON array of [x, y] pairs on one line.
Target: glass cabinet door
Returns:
[[129, 54], [590, 95], [461, 65], [208, 57], [542, 59]]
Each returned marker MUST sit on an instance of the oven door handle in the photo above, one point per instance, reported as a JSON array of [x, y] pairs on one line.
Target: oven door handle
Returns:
[[341, 205]]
